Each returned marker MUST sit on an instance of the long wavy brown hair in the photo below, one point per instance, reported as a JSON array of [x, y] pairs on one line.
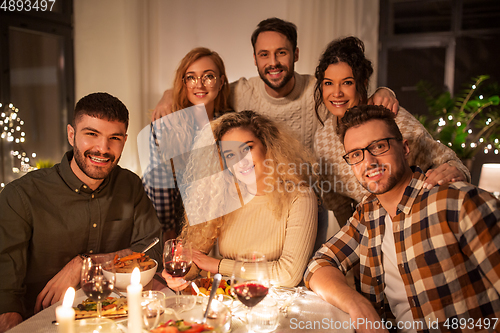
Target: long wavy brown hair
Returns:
[[350, 50]]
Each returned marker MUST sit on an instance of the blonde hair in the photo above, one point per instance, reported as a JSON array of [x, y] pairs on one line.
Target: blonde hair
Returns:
[[282, 150]]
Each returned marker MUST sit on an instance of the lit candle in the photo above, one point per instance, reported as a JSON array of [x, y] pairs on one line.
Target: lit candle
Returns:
[[65, 314], [134, 297]]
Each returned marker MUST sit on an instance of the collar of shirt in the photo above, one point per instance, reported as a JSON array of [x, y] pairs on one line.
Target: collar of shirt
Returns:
[[411, 192]]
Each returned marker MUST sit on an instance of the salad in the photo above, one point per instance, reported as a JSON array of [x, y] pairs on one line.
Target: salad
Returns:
[[175, 326]]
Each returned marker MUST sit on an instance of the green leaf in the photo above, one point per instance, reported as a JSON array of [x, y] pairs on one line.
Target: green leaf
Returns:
[[495, 100]]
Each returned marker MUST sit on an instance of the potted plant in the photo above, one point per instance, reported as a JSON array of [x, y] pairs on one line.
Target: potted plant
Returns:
[[468, 122]]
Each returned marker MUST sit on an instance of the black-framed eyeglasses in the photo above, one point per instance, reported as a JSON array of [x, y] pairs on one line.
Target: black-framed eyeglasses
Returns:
[[208, 80], [375, 148]]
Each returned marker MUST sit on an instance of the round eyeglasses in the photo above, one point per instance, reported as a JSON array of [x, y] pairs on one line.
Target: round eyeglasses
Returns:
[[208, 80], [375, 148]]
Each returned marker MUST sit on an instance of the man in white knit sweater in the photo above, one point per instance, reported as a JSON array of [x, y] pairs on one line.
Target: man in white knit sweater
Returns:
[[279, 92]]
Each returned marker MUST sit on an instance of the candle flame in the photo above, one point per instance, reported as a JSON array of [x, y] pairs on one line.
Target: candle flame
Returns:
[[69, 297], [135, 279]]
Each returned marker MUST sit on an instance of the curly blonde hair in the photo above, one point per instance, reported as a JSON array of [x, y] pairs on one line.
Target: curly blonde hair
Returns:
[[222, 192]]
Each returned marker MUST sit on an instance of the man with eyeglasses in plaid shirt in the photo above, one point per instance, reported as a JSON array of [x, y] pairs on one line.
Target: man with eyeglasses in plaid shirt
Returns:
[[432, 254]]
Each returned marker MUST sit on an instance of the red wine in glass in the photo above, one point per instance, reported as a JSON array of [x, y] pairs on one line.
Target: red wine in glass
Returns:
[[250, 294], [177, 268], [177, 258], [97, 291], [250, 279], [98, 279]]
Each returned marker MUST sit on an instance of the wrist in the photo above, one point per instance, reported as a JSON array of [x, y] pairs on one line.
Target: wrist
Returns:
[[388, 89], [356, 302], [218, 266]]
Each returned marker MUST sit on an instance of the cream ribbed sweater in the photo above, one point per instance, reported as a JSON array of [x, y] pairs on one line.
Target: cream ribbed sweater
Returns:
[[287, 242]]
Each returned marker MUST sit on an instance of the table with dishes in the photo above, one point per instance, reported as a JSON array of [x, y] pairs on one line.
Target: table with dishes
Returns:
[[128, 295], [291, 310]]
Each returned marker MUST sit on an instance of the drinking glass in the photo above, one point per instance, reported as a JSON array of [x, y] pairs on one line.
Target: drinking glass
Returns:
[[177, 258], [264, 316], [94, 283], [152, 308], [250, 279]]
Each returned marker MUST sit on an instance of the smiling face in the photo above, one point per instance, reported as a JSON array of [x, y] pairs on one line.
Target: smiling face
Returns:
[[244, 154], [97, 147], [274, 57], [339, 89], [200, 94], [382, 173]]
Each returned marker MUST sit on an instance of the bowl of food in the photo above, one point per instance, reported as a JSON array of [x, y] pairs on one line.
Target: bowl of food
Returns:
[[125, 266], [184, 310], [204, 286]]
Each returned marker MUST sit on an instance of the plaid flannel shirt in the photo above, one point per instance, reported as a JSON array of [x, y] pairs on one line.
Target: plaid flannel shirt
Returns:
[[159, 183], [159, 179], [447, 244]]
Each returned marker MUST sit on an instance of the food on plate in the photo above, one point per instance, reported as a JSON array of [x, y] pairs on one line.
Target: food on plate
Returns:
[[182, 326], [136, 259], [205, 286], [111, 307]]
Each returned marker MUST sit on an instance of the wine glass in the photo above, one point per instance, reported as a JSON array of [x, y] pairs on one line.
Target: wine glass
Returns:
[[250, 279], [177, 258], [95, 284]]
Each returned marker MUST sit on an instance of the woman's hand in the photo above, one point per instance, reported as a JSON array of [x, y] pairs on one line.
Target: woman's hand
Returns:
[[164, 106], [385, 97], [444, 173], [205, 262], [174, 283]]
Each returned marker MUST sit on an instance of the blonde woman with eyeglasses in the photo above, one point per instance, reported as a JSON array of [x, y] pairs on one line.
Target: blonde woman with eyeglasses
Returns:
[[201, 81]]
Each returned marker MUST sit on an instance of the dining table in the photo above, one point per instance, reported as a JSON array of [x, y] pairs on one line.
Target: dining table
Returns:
[[300, 310]]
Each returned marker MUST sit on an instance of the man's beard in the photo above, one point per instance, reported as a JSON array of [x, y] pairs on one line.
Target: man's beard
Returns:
[[278, 85], [392, 181], [93, 172]]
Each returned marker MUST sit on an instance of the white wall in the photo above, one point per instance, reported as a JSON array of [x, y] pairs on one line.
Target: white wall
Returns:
[[131, 48]]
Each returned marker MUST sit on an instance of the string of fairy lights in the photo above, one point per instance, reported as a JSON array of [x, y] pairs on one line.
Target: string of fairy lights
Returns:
[[13, 134], [490, 146]]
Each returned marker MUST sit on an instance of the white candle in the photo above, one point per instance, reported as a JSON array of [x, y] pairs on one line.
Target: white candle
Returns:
[[134, 298], [65, 314]]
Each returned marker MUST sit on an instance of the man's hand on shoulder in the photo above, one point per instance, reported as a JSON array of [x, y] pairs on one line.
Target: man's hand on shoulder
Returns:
[[385, 97], [164, 106], [54, 290], [9, 320]]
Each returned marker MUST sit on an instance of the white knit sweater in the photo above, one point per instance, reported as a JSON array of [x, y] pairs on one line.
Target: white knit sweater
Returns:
[[296, 110]]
